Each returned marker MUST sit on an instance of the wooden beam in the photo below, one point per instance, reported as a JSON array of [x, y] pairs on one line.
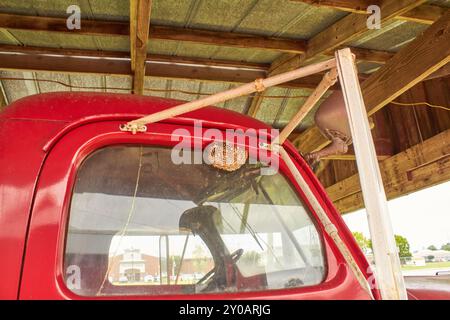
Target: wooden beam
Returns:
[[411, 65], [255, 105], [117, 28], [377, 56], [229, 39], [353, 26], [118, 63], [3, 97], [321, 167], [54, 24], [216, 63], [140, 11], [121, 55], [351, 157], [328, 80], [425, 14], [341, 32], [286, 62], [422, 57], [310, 140], [421, 166], [355, 6], [133, 29], [441, 73]]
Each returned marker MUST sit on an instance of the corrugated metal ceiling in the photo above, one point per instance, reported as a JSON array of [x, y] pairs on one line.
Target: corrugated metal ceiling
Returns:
[[280, 18]]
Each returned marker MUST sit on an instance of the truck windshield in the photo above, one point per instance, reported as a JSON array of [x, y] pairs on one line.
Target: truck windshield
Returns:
[[142, 225]]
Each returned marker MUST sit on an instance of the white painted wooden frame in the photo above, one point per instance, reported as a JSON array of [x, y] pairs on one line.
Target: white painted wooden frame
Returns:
[[387, 262]]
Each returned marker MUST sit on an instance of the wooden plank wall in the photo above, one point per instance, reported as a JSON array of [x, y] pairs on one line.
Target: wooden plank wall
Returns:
[[402, 126]]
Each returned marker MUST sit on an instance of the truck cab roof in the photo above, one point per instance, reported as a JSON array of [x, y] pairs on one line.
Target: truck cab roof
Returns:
[[67, 107]]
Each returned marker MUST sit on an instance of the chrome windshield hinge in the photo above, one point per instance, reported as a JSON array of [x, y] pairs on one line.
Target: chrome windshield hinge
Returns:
[[133, 127]]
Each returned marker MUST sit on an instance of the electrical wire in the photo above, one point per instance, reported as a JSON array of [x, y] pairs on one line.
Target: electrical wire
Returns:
[[420, 103], [195, 93]]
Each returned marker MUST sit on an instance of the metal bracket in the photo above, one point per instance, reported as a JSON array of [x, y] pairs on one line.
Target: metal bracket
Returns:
[[133, 127], [259, 85]]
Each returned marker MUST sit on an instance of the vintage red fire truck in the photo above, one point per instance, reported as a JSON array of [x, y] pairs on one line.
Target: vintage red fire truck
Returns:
[[88, 211]]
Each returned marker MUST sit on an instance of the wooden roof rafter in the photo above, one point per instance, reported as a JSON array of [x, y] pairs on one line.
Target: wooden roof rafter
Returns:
[[408, 171], [335, 36], [424, 14], [353, 26], [169, 33], [118, 63], [414, 63], [3, 97], [340, 33]]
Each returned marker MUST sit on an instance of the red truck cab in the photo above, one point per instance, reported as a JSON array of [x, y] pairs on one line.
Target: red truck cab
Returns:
[[90, 212]]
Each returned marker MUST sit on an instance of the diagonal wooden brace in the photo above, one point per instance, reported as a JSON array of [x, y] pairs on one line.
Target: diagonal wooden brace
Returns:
[[328, 80]]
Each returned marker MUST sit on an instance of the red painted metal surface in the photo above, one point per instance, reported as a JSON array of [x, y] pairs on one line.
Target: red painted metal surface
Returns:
[[428, 294], [44, 138]]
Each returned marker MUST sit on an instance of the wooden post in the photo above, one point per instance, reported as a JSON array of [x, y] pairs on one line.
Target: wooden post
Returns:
[[139, 28], [388, 271], [133, 26], [3, 97]]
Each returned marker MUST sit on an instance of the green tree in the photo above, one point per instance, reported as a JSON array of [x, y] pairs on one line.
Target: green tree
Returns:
[[364, 243], [432, 247], [446, 246], [403, 246]]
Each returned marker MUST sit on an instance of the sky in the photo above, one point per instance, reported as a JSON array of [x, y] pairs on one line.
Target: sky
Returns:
[[422, 217]]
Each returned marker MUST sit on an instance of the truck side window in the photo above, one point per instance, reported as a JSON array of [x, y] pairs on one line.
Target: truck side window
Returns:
[[141, 225]]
